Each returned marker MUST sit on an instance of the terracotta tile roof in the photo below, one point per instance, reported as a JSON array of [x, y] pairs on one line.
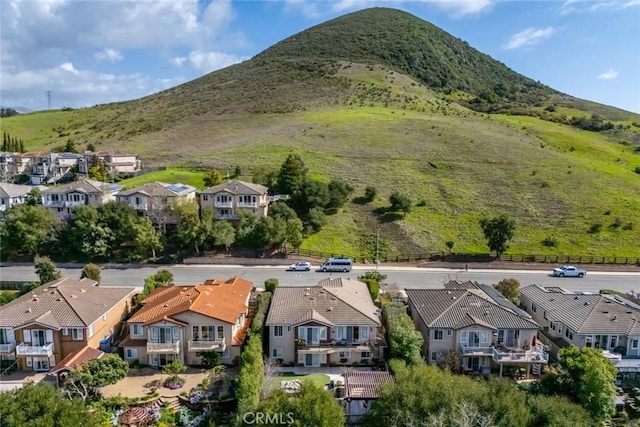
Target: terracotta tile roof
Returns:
[[241, 334], [76, 358], [459, 308], [333, 302], [219, 299], [63, 303], [364, 384]]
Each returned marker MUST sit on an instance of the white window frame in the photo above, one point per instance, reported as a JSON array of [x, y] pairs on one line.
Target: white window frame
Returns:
[[634, 343], [65, 331], [278, 331], [277, 353], [484, 336], [344, 354], [131, 353], [365, 355], [139, 328], [463, 337], [364, 333], [77, 334], [438, 335]]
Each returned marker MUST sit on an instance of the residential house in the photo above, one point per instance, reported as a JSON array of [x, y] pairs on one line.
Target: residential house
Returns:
[[59, 318], [13, 164], [333, 322], [477, 323], [362, 388], [64, 198], [229, 199], [154, 200], [123, 164], [583, 319], [182, 322], [14, 194], [49, 168]]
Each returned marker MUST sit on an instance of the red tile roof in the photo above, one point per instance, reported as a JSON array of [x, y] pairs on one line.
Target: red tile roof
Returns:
[[219, 299], [241, 334], [78, 357], [130, 342]]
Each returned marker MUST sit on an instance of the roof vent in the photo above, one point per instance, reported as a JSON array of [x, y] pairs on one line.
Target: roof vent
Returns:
[[586, 303], [629, 312], [306, 294], [605, 311], [58, 299], [166, 305], [83, 290], [330, 309], [28, 310], [486, 313], [312, 298], [52, 293], [615, 318], [576, 297], [34, 299]]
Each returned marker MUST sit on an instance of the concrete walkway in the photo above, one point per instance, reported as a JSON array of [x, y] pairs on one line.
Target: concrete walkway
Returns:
[[19, 378]]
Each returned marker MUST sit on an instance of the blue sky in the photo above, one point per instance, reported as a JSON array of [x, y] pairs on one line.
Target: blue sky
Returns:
[[89, 52]]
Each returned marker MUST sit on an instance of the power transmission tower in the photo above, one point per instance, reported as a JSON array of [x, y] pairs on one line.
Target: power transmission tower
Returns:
[[49, 100]]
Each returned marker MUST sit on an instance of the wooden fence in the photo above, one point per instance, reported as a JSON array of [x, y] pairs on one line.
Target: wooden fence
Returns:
[[458, 257]]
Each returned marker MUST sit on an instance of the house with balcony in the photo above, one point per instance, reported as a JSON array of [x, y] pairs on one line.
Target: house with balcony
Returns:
[[49, 168], [583, 319], [14, 194], [116, 164], [229, 199], [154, 200], [13, 164], [183, 322], [332, 322], [480, 325], [59, 319], [62, 199]]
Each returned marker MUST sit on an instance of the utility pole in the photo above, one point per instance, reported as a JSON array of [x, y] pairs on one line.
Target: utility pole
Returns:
[[48, 99]]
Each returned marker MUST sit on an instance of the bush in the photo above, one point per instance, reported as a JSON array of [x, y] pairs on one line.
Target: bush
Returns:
[[595, 228], [270, 285], [549, 242], [637, 170], [370, 193], [373, 286], [257, 323]]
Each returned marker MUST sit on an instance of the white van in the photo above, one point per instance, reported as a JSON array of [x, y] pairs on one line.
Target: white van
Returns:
[[337, 264]]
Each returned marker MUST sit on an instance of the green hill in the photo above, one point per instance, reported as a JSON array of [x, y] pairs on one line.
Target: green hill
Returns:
[[382, 98]]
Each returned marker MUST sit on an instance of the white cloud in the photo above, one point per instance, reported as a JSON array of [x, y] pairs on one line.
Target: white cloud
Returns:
[[609, 75], [529, 37], [205, 62], [68, 66], [319, 9], [108, 54], [571, 6]]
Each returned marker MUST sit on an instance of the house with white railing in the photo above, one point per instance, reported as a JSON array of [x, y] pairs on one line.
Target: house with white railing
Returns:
[[227, 200], [183, 322], [62, 199], [154, 200], [59, 320], [478, 324]]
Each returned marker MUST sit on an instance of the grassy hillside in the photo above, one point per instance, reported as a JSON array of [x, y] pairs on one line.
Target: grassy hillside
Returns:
[[359, 98]]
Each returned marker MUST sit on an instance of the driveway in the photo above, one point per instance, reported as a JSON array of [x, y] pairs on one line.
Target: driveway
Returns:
[[139, 382]]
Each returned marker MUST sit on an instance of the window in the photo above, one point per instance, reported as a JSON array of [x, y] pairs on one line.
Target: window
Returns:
[[137, 329], [449, 332], [198, 354], [544, 315], [205, 197], [277, 331], [436, 356], [344, 355], [552, 326], [76, 334], [484, 336], [463, 336], [220, 332], [437, 334], [195, 333], [534, 307], [501, 336], [65, 331], [366, 355], [131, 353], [634, 343], [560, 328], [277, 353], [364, 333]]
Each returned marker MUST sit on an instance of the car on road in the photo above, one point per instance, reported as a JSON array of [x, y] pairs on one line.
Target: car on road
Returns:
[[300, 266], [569, 271]]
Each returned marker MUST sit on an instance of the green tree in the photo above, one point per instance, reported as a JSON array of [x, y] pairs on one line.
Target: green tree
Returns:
[[223, 234], [405, 342], [590, 377], [161, 278], [190, 231], [309, 194], [312, 406], [339, 193], [400, 203], [265, 177], [91, 271], [92, 238], [41, 405], [270, 285], [498, 231], [26, 230], [98, 170], [317, 219], [449, 244], [292, 174], [34, 197], [557, 411], [210, 359], [510, 289], [82, 381], [147, 238], [91, 147], [174, 368], [70, 147], [46, 270], [213, 178], [370, 194]]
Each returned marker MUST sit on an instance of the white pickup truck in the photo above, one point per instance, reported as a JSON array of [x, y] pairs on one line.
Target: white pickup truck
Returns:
[[569, 271]]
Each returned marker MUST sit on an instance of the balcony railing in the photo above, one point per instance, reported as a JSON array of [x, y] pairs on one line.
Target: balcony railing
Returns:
[[139, 206], [165, 348], [477, 350], [215, 345], [247, 205], [74, 203], [535, 355], [53, 203], [222, 204], [34, 350], [7, 347]]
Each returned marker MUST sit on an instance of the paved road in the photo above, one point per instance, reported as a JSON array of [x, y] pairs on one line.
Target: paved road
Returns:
[[404, 277]]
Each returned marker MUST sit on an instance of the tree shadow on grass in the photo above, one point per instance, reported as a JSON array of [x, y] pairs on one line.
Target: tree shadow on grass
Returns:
[[388, 215], [360, 200]]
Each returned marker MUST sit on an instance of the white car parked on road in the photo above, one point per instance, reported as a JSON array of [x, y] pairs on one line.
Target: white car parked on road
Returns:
[[300, 266], [569, 271]]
